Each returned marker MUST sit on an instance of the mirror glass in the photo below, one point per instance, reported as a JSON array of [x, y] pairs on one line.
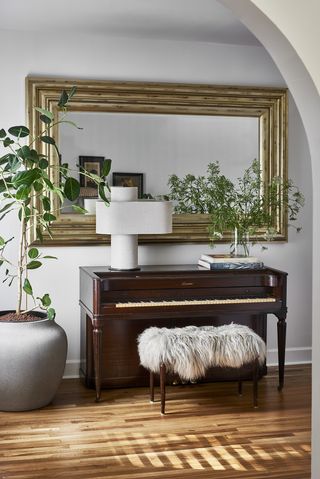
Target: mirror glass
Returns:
[[157, 146], [153, 130]]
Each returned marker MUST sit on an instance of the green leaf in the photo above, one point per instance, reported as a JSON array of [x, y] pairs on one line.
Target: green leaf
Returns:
[[27, 213], [26, 178], [49, 257], [23, 192], [13, 163], [4, 214], [7, 142], [78, 209], [44, 112], [2, 241], [49, 217], [72, 189], [106, 167], [5, 208], [63, 99], [2, 133], [19, 131], [34, 264], [51, 313], [72, 123], [27, 287], [72, 92], [38, 186], [45, 119], [48, 139], [48, 183], [4, 159], [101, 192], [46, 203], [24, 152], [43, 163], [46, 301], [34, 155], [33, 253]]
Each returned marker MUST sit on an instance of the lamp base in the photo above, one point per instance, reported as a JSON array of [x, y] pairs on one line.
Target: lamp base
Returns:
[[124, 252]]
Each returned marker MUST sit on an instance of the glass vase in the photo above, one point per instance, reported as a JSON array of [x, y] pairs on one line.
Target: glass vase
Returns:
[[241, 243]]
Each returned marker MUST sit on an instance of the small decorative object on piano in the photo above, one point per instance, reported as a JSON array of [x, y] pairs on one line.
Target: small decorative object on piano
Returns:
[[230, 265], [228, 258]]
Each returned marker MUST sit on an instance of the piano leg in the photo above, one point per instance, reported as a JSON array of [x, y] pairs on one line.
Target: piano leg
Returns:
[[255, 382], [97, 351], [282, 327]]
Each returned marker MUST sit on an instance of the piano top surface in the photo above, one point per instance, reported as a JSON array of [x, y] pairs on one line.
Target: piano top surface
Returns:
[[103, 272]]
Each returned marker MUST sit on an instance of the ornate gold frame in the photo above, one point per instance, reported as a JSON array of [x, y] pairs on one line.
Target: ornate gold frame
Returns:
[[269, 105]]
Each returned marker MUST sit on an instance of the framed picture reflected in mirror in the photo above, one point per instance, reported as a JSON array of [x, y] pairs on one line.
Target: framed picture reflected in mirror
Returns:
[[129, 179], [92, 164]]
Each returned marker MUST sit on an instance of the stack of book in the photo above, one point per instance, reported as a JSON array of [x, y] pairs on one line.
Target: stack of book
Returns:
[[225, 261]]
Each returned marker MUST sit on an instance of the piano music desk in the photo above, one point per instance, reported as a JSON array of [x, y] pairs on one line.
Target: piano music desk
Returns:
[[116, 306]]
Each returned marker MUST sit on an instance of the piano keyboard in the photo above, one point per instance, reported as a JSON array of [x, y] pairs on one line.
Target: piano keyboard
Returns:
[[194, 302]]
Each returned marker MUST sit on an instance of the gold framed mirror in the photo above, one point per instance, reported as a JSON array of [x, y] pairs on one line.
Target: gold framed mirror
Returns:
[[267, 105]]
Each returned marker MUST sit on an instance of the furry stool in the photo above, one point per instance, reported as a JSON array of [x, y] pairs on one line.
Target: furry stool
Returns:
[[190, 351]]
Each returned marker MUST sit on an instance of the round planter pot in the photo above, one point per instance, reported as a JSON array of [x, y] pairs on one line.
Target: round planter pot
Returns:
[[32, 360]]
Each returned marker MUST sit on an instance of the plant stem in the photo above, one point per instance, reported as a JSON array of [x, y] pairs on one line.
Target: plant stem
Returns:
[[20, 261], [25, 252]]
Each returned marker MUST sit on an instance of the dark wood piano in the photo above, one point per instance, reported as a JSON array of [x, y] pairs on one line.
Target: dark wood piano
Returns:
[[116, 306]]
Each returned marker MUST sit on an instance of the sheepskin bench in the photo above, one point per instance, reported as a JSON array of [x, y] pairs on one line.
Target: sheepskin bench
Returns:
[[191, 350]]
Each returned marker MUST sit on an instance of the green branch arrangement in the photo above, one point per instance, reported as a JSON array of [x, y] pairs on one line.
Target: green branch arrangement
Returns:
[[245, 206], [26, 189]]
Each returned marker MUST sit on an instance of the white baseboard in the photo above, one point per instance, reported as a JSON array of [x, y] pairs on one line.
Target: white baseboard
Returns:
[[72, 369], [293, 356]]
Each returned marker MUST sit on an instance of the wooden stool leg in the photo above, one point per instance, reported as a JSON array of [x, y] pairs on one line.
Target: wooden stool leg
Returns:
[[255, 382], [151, 386], [163, 387]]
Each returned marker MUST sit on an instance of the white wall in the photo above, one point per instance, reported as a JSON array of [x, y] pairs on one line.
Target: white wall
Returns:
[[123, 59], [289, 33]]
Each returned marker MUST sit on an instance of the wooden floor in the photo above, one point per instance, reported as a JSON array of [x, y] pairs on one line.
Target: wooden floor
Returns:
[[209, 432]]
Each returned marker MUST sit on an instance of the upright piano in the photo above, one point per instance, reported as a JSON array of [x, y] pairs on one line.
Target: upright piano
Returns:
[[116, 306]]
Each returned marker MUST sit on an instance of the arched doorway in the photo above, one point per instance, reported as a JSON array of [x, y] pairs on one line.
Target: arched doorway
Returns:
[[307, 99]]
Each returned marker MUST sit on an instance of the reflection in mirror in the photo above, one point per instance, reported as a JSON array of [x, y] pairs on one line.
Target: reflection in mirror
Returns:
[[159, 145], [157, 129]]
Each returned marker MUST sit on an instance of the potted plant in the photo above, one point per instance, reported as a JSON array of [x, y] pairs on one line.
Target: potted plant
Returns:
[[245, 208], [33, 346]]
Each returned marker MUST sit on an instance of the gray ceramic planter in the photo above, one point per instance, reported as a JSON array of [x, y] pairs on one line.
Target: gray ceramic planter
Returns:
[[32, 361]]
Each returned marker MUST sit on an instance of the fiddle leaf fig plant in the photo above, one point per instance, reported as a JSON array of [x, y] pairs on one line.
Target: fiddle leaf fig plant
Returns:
[[26, 189], [245, 206]]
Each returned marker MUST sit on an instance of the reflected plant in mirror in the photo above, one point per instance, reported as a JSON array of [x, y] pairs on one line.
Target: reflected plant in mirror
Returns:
[[244, 206], [27, 191]]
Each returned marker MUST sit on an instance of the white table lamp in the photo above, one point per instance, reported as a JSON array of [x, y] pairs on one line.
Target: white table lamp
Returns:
[[125, 218]]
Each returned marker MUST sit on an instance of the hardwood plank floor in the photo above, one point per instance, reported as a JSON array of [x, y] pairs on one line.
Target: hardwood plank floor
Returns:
[[209, 432]]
